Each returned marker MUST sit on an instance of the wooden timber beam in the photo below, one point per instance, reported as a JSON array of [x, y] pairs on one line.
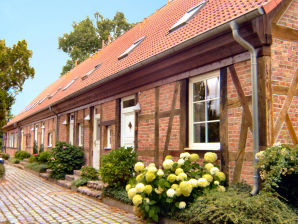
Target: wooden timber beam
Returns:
[[156, 128], [283, 113]]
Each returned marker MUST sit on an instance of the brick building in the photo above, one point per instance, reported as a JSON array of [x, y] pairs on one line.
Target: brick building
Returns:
[[178, 81]]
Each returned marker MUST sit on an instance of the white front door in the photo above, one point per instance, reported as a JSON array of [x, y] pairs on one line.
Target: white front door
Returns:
[[127, 122], [96, 141]]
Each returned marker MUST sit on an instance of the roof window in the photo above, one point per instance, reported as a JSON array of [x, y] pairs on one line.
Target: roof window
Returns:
[[91, 71], [69, 84], [40, 101], [188, 15], [54, 93], [131, 48]]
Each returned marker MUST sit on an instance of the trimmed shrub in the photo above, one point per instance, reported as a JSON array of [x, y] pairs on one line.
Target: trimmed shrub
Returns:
[[5, 156], [279, 172], [89, 173], [237, 206], [22, 155], [117, 166], [80, 182], [2, 171], [14, 160], [35, 148], [33, 158], [41, 148], [65, 158], [43, 157], [38, 167], [119, 194]]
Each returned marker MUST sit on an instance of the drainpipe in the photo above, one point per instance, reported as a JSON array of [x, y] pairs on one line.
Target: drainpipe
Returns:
[[57, 124], [255, 109]]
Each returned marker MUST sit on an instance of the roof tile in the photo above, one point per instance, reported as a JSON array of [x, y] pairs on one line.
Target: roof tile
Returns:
[[158, 39]]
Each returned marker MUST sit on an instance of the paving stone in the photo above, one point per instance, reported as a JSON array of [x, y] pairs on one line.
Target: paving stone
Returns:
[[26, 198]]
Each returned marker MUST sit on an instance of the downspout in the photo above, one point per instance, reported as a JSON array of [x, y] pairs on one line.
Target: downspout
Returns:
[[57, 124], [255, 107]]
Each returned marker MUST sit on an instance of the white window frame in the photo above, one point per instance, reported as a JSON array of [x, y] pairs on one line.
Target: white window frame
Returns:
[[188, 15], [42, 134], [109, 144], [80, 135], [49, 139], [22, 139], [71, 131], [35, 132], [192, 145]]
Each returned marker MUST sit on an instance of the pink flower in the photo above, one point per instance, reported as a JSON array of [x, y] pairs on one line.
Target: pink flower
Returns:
[[52, 158], [34, 154]]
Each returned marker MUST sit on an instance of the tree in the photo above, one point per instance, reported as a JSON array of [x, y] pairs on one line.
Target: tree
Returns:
[[14, 70], [87, 35]]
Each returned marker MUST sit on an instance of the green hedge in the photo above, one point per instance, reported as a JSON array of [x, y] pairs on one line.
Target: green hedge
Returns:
[[237, 206]]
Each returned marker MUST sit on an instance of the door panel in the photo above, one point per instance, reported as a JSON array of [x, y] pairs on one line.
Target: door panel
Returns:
[[96, 143]]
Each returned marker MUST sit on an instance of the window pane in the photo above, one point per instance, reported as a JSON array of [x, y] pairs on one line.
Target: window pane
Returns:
[[213, 88], [213, 132], [213, 109], [199, 133], [199, 112], [128, 103], [199, 91]]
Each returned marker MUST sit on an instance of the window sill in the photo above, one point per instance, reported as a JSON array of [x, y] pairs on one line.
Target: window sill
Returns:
[[107, 148], [202, 149]]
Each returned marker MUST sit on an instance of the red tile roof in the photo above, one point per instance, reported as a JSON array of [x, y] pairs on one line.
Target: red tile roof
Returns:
[[158, 39]]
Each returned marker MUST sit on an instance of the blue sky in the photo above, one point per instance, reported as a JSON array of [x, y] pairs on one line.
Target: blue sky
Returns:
[[42, 22]]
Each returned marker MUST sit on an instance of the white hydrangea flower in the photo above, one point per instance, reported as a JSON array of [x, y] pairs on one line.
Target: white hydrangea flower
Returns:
[[181, 176], [139, 166], [277, 144], [152, 169], [214, 170], [184, 155], [181, 162], [167, 164], [171, 192], [140, 187], [202, 182], [160, 172], [216, 182], [193, 182], [182, 205]]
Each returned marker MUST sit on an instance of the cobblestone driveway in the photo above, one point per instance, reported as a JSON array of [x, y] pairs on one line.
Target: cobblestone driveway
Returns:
[[25, 198]]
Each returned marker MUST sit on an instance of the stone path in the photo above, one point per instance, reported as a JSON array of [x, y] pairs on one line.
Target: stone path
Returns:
[[25, 198]]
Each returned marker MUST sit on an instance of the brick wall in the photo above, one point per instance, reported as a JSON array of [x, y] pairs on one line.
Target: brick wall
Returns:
[[234, 120]]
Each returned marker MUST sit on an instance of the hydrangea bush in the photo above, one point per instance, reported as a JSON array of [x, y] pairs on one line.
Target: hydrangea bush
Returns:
[[156, 192]]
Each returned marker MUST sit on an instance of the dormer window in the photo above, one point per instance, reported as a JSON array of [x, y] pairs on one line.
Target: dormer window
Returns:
[[188, 15], [91, 71], [69, 84], [131, 48]]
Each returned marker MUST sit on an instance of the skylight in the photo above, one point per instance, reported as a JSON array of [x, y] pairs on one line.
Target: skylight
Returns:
[[188, 15], [131, 48], [91, 71], [43, 99], [69, 84], [54, 93]]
